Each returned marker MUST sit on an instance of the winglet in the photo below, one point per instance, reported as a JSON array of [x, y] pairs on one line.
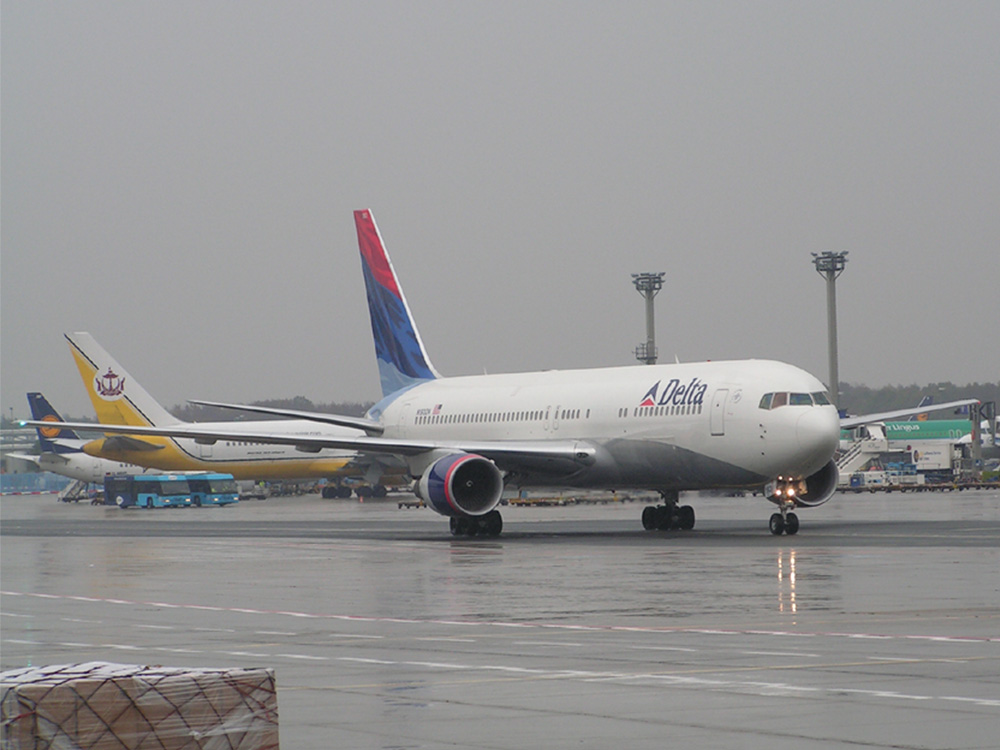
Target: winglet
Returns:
[[402, 359], [116, 396]]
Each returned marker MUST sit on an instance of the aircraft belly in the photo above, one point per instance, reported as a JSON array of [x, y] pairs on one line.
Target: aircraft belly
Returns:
[[643, 463]]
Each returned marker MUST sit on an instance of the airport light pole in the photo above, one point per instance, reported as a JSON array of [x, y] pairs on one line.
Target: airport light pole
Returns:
[[830, 265], [648, 284]]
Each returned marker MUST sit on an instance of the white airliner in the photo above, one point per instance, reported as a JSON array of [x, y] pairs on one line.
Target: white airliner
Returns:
[[748, 424], [118, 399]]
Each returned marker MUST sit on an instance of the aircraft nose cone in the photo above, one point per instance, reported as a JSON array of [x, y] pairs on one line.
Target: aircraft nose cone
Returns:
[[818, 432]]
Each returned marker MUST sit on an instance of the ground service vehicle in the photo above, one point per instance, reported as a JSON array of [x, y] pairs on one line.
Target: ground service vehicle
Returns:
[[147, 491], [213, 489]]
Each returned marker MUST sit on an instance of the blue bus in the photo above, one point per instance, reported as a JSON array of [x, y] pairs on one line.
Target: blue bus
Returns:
[[213, 489], [147, 491]]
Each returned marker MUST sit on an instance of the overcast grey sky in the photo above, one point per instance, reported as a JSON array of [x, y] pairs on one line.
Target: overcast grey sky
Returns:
[[178, 179]]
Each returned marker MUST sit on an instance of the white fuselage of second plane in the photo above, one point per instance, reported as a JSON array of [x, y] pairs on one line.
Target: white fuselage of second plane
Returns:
[[682, 426]]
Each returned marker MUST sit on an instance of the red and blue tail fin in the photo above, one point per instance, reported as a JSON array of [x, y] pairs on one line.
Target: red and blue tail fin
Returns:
[[402, 359]]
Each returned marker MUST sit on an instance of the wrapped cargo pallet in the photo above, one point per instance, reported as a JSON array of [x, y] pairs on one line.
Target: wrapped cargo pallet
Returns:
[[103, 706]]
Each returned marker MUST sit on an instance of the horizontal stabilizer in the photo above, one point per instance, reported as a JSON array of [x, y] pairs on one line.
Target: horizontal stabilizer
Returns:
[[125, 443]]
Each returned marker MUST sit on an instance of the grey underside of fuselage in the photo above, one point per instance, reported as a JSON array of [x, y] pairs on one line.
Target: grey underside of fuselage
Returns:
[[643, 464]]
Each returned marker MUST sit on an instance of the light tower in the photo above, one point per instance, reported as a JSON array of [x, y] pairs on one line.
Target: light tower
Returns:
[[648, 284], [830, 265]]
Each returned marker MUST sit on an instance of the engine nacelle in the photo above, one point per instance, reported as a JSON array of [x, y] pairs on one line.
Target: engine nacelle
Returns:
[[814, 490], [461, 485]]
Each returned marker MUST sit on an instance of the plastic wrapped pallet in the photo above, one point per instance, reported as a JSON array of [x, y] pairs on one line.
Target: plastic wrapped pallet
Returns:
[[102, 706]]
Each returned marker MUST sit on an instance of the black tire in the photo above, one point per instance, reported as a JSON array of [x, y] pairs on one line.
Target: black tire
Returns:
[[791, 524], [777, 524], [649, 518], [685, 517], [492, 524]]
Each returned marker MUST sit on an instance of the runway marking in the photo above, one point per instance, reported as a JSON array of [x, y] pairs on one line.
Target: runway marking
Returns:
[[274, 632], [547, 643], [352, 635], [448, 640], [684, 680], [540, 625], [79, 620], [664, 648], [155, 627], [780, 653]]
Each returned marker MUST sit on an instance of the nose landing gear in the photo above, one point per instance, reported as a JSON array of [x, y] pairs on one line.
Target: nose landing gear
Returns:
[[784, 494]]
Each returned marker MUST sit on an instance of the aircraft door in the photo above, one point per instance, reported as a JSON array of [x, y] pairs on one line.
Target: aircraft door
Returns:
[[402, 424], [718, 414]]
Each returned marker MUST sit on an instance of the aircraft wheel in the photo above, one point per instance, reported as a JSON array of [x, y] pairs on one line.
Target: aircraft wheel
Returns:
[[649, 517], [491, 524], [777, 524], [457, 526], [664, 519], [685, 517], [791, 524]]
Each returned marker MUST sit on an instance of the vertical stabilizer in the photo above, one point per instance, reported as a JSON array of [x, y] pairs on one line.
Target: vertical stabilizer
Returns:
[[116, 396], [402, 359], [42, 411]]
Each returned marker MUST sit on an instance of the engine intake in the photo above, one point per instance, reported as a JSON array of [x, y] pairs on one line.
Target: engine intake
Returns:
[[461, 485], [814, 490]]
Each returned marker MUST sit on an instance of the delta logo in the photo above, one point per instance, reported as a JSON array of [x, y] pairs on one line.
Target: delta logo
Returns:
[[674, 393], [109, 386]]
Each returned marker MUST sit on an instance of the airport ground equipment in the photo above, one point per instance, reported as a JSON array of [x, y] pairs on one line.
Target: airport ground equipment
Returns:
[[148, 491], [213, 489]]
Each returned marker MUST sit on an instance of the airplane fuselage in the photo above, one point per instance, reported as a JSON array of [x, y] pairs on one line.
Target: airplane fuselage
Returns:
[[683, 426]]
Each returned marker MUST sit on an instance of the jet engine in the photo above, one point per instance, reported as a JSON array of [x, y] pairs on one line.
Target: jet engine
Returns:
[[814, 490], [461, 485]]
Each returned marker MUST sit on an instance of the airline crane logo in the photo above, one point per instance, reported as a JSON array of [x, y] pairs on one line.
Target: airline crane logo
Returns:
[[50, 432], [110, 386], [675, 393]]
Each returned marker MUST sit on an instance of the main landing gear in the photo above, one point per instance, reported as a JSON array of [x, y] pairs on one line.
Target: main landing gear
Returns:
[[668, 516], [489, 525]]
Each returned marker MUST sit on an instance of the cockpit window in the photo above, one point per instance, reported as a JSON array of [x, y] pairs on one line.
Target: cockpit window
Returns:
[[774, 400]]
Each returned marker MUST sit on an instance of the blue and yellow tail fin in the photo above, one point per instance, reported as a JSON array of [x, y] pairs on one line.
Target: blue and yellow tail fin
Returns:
[[402, 359], [42, 410]]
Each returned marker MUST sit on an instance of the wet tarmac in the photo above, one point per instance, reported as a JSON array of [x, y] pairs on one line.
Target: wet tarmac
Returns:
[[878, 625]]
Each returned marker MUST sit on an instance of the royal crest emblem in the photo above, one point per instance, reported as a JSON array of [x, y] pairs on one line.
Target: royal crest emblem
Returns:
[[110, 385]]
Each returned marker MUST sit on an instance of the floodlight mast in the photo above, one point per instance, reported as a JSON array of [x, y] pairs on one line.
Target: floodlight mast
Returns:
[[830, 265], [648, 284]]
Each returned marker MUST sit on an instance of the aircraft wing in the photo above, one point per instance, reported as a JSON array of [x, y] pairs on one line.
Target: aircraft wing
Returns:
[[848, 422], [535, 453], [370, 426]]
